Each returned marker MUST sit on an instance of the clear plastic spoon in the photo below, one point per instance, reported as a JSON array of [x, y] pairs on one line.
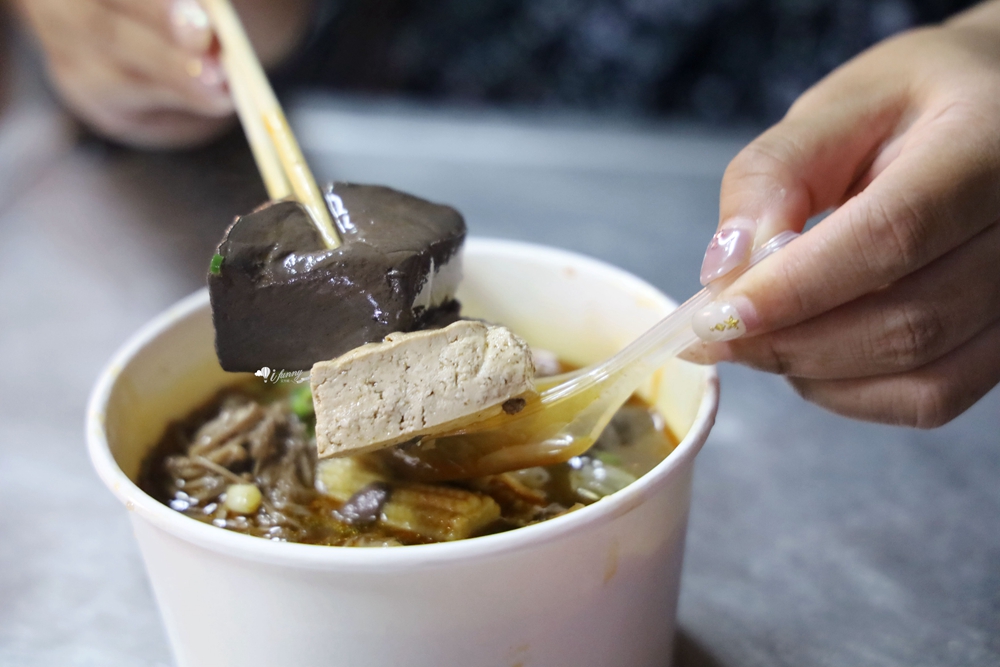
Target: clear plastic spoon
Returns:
[[570, 411]]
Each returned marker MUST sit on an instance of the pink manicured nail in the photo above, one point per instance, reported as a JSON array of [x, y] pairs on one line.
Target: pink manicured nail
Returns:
[[729, 248], [190, 25], [212, 74], [707, 353], [208, 71], [720, 321]]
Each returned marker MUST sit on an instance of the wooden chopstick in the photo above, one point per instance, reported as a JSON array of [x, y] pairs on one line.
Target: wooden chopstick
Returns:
[[274, 146], [264, 153]]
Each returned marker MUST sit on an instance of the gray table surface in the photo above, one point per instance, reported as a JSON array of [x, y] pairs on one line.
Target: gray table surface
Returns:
[[813, 540]]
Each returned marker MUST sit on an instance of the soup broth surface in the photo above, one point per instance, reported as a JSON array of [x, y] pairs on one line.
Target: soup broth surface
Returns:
[[246, 461]]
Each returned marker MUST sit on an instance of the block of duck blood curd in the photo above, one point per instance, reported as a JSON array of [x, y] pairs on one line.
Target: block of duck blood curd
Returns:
[[281, 299], [385, 393]]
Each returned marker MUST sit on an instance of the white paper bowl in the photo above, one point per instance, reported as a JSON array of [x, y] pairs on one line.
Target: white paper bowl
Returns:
[[595, 588]]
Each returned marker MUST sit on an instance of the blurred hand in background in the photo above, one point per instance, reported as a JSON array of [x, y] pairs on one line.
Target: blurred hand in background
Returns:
[[147, 72], [889, 308]]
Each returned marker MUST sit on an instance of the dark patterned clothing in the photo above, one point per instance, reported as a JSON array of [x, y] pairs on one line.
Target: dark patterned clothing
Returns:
[[715, 60]]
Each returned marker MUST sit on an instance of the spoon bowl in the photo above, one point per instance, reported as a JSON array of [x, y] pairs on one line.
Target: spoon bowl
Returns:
[[569, 411]]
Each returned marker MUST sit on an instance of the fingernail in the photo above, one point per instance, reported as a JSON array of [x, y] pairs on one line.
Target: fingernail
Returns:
[[208, 71], [705, 354], [191, 26], [719, 321], [729, 248]]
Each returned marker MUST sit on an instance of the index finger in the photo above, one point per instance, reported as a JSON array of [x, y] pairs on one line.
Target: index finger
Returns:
[[940, 191]]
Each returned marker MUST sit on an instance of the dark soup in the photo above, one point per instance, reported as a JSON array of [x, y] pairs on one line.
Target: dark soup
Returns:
[[246, 461]]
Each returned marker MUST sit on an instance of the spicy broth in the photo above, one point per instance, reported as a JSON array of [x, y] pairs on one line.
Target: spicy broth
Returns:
[[259, 434]]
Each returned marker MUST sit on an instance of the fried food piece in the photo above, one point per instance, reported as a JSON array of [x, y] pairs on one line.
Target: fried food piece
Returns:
[[412, 384]]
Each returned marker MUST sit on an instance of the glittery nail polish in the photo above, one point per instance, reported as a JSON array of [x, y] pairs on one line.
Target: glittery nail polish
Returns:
[[719, 321], [729, 248]]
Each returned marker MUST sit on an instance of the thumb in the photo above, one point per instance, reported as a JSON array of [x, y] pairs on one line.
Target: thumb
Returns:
[[802, 166]]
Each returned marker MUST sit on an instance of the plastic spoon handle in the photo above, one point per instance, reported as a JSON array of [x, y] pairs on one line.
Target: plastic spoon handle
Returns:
[[620, 375], [665, 339]]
